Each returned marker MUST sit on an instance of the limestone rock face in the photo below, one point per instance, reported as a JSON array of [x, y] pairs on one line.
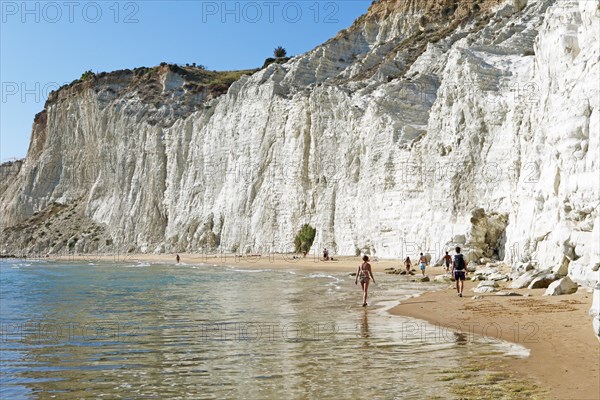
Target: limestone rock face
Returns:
[[421, 127], [489, 274], [562, 286], [471, 267], [542, 281], [443, 279], [504, 293], [488, 284], [486, 287], [522, 281]]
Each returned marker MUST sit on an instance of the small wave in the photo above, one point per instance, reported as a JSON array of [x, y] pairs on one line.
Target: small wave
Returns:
[[321, 276], [139, 265], [335, 279], [387, 306], [35, 260], [249, 270], [509, 348]]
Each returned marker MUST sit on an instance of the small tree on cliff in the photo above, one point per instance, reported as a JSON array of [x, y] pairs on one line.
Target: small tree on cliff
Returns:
[[305, 238], [279, 52], [87, 75]]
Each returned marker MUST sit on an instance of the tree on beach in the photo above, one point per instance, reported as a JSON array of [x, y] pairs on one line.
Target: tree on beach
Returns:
[[305, 238]]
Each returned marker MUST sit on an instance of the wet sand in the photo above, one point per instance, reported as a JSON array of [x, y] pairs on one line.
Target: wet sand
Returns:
[[565, 354]]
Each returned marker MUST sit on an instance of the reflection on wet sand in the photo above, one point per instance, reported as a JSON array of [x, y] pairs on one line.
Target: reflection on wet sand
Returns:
[[364, 325]]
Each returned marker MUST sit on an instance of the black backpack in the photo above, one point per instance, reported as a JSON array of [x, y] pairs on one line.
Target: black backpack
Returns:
[[459, 262]]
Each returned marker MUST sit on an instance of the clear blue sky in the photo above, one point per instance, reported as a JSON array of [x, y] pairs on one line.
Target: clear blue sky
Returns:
[[44, 44]]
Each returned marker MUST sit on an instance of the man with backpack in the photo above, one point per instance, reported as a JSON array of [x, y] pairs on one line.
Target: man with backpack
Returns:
[[459, 270]]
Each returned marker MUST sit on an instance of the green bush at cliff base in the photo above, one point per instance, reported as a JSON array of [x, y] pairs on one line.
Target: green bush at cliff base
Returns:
[[304, 239]]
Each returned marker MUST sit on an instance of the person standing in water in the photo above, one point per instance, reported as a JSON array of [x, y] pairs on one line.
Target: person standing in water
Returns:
[[407, 264], [177, 258], [423, 263], [365, 274], [459, 271]]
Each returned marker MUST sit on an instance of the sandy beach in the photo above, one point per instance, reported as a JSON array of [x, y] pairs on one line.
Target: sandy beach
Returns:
[[564, 353]]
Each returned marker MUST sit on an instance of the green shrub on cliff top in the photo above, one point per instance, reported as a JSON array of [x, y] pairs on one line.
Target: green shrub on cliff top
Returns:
[[87, 75], [279, 52]]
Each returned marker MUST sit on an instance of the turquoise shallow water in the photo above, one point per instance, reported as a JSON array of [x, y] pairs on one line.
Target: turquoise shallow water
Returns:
[[142, 331]]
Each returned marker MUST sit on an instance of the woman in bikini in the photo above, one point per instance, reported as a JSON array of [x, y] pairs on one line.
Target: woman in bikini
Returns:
[[365, 274], [407, 264]]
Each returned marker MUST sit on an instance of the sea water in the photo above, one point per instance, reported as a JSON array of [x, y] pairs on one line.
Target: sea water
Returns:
[[134, 330]]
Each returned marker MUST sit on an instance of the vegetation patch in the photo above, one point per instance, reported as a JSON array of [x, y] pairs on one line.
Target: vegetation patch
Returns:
[[304, 239], [481, 380]]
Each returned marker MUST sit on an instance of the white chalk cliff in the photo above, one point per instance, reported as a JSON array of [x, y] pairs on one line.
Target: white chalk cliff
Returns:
[[425, 124]]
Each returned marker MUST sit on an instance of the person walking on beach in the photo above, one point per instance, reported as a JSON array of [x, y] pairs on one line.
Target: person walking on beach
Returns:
[[407, 264], [365, 274], [447, 260], [459, 271], [423, 263]]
